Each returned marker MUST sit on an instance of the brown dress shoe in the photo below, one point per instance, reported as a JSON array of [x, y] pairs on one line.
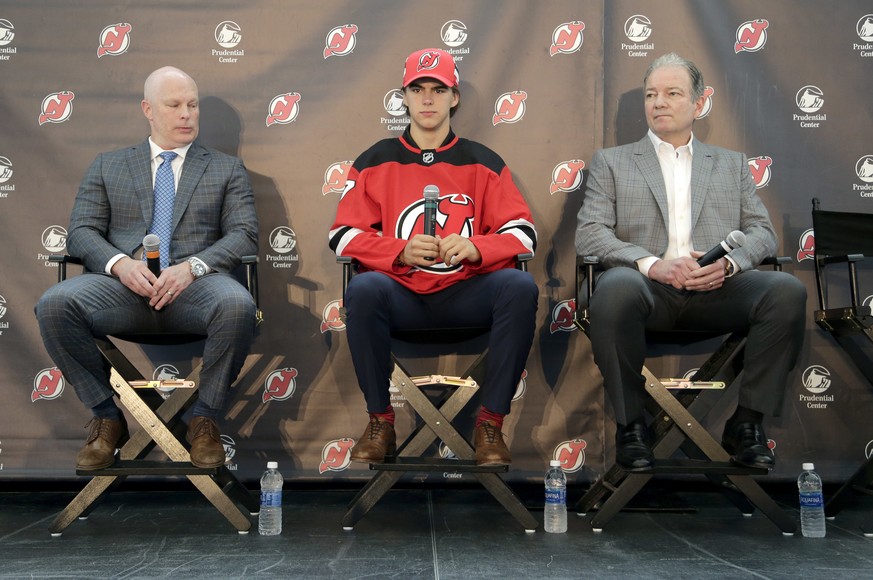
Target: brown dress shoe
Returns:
[[490, 448], [377, 441], [105, 436], [205, 440]]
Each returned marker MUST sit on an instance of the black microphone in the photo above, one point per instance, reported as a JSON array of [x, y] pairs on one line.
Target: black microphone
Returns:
[[431, 202], [152, 246], [734, 240]]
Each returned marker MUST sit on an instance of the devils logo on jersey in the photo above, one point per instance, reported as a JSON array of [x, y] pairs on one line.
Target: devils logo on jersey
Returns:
[[454, 216]]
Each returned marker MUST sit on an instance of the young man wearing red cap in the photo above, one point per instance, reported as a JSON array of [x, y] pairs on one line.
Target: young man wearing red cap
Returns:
[[464, 275]]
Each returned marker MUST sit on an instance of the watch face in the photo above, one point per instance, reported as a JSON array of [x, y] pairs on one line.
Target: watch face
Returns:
[[197, 269]]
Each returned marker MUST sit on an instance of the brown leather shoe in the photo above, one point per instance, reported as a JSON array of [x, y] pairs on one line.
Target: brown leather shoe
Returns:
[[377, 441], [205, 440], [105, 436], [490, 448]]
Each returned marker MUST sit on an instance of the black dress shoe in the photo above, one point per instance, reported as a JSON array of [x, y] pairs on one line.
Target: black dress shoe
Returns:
[[747, 445], [633, 447]]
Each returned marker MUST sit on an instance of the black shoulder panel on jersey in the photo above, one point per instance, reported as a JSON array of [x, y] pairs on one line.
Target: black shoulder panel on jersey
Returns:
[[467, 152]]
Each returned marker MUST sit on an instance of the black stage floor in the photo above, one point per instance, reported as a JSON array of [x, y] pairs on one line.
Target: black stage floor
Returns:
[[421, 533]]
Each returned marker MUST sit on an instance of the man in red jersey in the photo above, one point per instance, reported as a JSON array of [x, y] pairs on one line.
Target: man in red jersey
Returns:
[[464, 275]]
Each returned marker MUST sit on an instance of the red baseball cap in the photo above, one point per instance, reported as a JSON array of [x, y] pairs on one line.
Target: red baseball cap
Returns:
[[431, 63]]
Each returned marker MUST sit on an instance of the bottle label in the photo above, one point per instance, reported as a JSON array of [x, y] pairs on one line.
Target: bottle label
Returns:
[[556, 496], [271, 498], [811, 499]]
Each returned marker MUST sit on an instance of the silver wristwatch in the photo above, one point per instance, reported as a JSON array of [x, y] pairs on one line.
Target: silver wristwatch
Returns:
[[198, 267]]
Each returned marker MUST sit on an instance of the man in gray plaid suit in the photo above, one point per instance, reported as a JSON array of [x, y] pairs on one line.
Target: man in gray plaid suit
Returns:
[[213, 225], [650, 208]]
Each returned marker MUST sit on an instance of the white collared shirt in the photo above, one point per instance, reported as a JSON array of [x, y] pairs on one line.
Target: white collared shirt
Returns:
[[676, 170], [176, 164]]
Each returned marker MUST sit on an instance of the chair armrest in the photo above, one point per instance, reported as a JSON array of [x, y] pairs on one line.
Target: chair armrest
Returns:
[[251, 266], [62, 260], [777, 261]]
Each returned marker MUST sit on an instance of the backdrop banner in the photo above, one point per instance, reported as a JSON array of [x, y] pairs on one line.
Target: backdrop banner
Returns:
[[297, 90]]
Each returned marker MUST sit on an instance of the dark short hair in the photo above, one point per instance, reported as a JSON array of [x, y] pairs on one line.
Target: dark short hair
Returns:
[[672, 59]]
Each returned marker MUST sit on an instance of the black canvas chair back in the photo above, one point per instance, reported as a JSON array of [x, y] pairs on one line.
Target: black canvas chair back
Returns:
[[846, 238]]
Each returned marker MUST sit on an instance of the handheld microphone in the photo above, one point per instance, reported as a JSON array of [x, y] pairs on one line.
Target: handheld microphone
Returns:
[[734, 240], [151, 244], [431, 202]]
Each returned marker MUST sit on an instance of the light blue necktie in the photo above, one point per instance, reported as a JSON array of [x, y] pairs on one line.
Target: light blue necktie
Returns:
[[165, 194]]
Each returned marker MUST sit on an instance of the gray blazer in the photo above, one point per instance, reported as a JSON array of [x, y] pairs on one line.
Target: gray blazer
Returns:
[[214, 214], [624, 216]]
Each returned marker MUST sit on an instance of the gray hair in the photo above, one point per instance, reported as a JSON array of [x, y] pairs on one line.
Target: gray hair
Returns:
[[672, 59]]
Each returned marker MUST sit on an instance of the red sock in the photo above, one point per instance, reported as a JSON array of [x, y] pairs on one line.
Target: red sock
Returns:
[[486, 415], [387, 416]]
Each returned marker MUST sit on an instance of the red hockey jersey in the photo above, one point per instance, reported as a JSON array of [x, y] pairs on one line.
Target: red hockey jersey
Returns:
[[382, 207]]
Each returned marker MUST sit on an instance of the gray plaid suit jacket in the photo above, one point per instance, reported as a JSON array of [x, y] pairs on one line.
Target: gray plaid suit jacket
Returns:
[[214, 214], [624, 215]]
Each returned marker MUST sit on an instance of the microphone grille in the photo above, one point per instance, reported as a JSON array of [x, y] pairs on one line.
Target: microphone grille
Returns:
[[736, 239], [431, 192], [151, 243]]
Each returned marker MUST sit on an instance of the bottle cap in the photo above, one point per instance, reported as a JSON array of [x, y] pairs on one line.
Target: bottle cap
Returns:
[[272, 465], [555, 463], [808, 466]]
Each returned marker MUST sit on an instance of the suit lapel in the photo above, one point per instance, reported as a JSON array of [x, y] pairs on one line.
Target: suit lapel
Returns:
[[647, 161], [195, 164], [139, 164], [701, 167]]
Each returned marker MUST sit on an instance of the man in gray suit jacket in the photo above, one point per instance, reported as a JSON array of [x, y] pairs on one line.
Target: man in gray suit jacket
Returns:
[[213, 224], [649, 210]]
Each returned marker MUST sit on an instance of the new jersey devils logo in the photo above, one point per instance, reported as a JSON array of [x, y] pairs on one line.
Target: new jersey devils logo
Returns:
[[335, 177], [571, 454], [280, 385], [56, 107], [562, 317], [47, 384], [283, 109], [509, 107], [114, 39], [340, 41], [567, 176], [751, 36], [454, 216], [331, 317], [807, 246], [336, 455], [567, 38], [760, 168]]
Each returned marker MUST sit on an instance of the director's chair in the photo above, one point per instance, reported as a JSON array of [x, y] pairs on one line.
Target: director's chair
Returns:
[[452, 395], [678, 406], [846, 238], [159, 414]]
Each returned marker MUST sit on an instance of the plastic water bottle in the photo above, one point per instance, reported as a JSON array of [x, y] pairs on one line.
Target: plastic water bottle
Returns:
[[270, 517], [555, 512], [812, 517]]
